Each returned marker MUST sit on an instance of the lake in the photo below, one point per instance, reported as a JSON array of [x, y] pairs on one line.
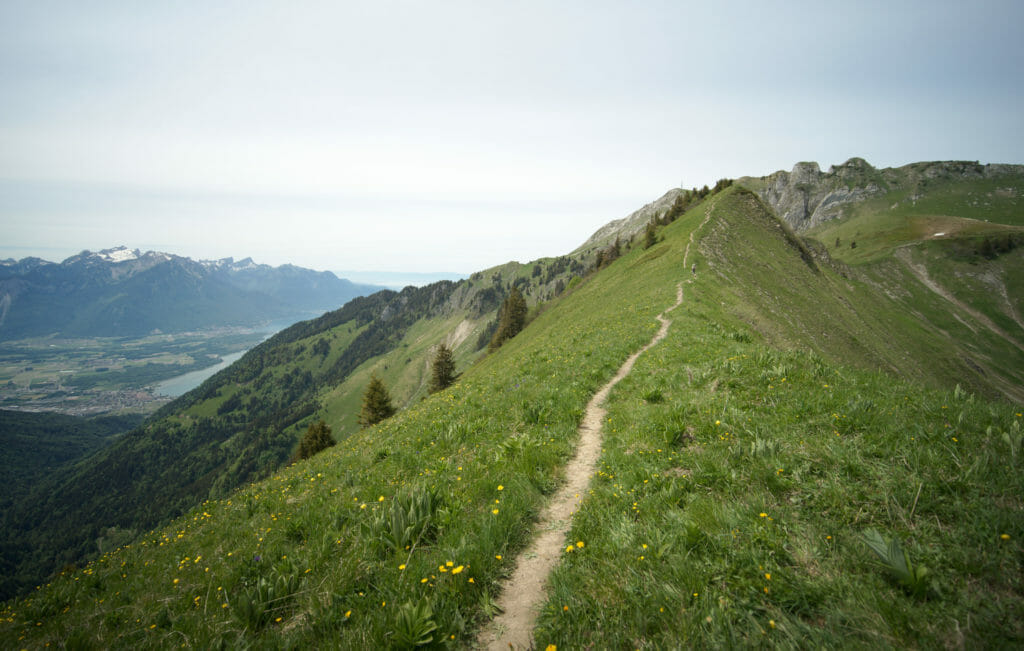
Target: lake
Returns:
[[181, 384]]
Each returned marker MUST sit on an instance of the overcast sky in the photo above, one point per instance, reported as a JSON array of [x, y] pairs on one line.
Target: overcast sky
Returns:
[[454, 136]]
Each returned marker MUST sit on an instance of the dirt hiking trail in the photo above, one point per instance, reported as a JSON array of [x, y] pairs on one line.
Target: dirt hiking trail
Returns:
[[523, 593]]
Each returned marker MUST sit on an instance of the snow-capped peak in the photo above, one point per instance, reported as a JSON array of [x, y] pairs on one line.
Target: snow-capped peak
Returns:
[[118, 254]]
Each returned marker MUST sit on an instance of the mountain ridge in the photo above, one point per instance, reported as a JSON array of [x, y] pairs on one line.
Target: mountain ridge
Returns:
[[776, 330], [806, 197], [127, 292]]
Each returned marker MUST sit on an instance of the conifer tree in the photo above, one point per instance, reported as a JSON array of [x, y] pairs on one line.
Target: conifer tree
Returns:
[[443, 370], [511, 318], [317, 437], [376, 403], [649, 235]]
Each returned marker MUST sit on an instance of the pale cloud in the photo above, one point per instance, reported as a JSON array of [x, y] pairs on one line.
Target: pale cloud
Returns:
[[457, 136]]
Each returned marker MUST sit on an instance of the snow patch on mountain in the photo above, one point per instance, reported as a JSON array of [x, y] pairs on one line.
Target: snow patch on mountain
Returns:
[[118, 254]]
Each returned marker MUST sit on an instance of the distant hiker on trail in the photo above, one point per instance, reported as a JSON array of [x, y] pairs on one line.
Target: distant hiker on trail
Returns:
[[693, 268]]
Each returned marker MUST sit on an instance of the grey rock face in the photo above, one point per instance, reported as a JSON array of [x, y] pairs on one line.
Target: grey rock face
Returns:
[[629, 226], [806, 196]]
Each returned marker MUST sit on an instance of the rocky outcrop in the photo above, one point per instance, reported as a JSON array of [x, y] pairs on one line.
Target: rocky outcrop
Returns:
[[806, 196], [629, 226]]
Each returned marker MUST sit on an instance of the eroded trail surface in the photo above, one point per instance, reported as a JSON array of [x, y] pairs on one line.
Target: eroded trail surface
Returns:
[[524, 592]]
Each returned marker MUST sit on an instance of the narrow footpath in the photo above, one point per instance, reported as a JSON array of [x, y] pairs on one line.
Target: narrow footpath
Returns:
[[523, 593]]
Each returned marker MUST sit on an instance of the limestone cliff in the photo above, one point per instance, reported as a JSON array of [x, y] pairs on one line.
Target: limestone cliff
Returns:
[[806, 196]]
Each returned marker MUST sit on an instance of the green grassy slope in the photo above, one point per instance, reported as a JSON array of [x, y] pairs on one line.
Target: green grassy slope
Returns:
[[406, 529], [876, 315], [245, 422], [510, 421], [738, 481], [950, 252]]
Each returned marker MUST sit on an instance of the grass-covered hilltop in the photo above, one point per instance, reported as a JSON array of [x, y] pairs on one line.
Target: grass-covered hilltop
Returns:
[[824, 451]]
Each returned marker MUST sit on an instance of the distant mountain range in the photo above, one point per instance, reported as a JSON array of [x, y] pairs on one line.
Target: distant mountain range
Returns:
[[124, 292]]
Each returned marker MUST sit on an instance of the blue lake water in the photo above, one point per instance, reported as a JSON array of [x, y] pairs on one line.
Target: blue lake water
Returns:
[[184, 383], [181, 384]]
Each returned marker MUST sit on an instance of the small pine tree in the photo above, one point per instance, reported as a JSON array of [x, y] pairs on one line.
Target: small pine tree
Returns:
[[317, 437], [443, 370], [511, 318], [650, 238], [376, 403]]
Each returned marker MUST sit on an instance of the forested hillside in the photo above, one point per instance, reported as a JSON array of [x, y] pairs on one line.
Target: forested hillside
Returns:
[[245, 422]]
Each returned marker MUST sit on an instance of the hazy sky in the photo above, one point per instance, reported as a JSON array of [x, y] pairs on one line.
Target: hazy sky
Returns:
[[454, 136]]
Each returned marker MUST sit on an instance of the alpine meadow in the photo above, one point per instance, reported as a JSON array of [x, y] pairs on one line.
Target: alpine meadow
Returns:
[[824, 450]]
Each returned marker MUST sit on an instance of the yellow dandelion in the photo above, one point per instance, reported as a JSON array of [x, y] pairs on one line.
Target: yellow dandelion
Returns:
[[458, 569], [498, 556], [494, 511], [762, 515], [551, 647], [771, 622], [449, 564], [348, 613], [768, 575], [1004, 536], [579, 543], [569, 548], [402, 566], [500, 487]]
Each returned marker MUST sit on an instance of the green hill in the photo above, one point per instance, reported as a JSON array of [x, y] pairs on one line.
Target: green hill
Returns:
[[797, 405], [245, 422]]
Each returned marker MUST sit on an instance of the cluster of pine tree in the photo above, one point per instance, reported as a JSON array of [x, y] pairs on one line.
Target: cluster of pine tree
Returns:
[[377, 400], [684, 201], [511, 318], [317, 437], [608, 255], [991, 247]]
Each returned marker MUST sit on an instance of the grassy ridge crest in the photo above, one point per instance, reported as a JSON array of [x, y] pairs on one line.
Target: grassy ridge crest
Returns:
[[739, 475]]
